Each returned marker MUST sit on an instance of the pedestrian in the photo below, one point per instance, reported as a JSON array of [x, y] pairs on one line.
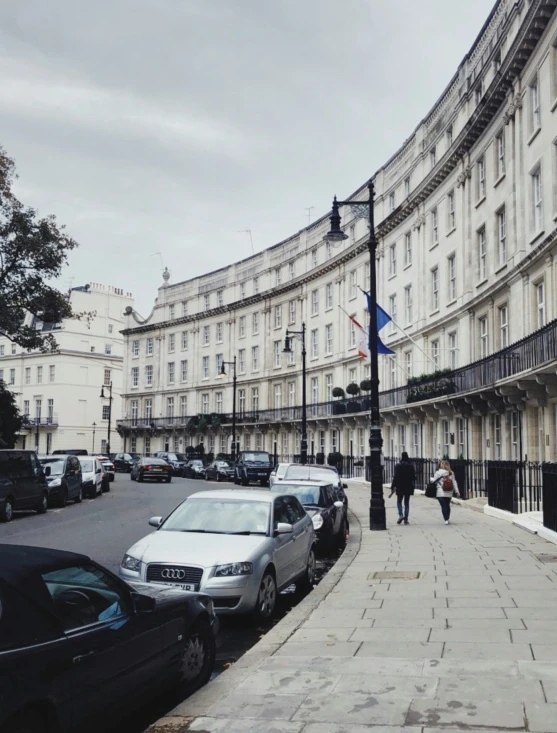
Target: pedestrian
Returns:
[[446, 488], [403, 484]]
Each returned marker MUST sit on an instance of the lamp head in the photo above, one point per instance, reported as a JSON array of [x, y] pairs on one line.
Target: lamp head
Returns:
[[335, 235], [287, 345], [102, 393], [222, 370]]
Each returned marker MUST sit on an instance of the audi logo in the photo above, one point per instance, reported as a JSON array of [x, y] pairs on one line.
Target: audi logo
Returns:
[[173, 574]]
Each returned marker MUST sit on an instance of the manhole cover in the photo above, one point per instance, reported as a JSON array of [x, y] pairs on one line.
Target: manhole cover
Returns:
[[396, 575], [544, 557]]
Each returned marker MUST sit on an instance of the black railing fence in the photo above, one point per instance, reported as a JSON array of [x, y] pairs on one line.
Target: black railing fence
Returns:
[[549, 492]]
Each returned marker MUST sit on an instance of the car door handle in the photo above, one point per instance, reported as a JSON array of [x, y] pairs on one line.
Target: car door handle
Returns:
[[81, 657]]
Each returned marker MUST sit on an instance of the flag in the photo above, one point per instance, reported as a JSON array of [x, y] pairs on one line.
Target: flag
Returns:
[[363, 341], [382, 316]]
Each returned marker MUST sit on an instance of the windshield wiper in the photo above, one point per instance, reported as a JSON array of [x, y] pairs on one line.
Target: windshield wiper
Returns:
[[202, 531], [246, 532]]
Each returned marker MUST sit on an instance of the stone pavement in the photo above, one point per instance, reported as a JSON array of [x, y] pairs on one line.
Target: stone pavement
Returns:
[[421, 627]]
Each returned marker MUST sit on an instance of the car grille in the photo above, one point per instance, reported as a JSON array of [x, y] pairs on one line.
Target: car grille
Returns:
[[187, 574], [227, 602]]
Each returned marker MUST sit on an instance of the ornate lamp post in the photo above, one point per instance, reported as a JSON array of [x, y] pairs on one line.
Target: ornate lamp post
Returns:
[[377, 518], [288, 350], [234, 384], [103, 397]]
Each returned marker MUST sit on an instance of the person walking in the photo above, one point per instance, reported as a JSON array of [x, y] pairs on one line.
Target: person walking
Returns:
[[403, 484], [445, 481]]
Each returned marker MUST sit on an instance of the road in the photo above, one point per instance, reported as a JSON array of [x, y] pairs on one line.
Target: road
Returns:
[[107, 526]]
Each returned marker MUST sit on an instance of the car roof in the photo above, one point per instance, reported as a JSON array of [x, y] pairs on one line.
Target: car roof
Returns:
[[301, 482], [18, 562], [59, 457], [313, 465], [240, 494]]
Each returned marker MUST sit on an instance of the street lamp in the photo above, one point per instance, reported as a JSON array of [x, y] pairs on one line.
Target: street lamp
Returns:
[[234, 383], [94, 427], [288, 350], [377, 518], [103, 397]]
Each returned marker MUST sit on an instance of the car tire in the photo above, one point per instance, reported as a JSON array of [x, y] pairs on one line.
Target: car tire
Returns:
[[169, 479], [305, 584], [266, 598], [111, 478], [106, 488], [25, 723], [7, 511], [131, 477], [79, 498], [218, 478], [198, 658], [43, 504], [140, 478], [342, 535]]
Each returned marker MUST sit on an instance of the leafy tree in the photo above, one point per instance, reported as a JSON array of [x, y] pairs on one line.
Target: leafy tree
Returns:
[[10, 419], [33, 251]]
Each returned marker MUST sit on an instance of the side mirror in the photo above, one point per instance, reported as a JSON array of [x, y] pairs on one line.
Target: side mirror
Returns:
[[339, 504], [155, 521], [99, 470], [47, 471], [143, 604], [284, 528], [344, 486]]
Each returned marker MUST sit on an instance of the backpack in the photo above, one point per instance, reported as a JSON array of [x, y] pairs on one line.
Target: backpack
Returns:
[[447, 484]]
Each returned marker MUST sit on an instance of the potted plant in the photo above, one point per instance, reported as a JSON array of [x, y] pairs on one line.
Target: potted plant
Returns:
[[191, 427], [354, 391], [335, 459], [320, 459], [338, 407], [200, 450], [365, 386], [190, 450]]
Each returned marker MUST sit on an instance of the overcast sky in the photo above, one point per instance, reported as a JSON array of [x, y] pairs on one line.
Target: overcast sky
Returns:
[[168, 125]]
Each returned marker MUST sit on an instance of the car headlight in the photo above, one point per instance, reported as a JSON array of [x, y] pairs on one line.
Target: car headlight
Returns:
[[317, 521], [235, 568], [131, 563], [55, 482]]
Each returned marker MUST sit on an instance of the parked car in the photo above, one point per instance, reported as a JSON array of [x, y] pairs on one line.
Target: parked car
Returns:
[[124, 461], [78, 645], [194, 469], [22, 483], [92, 473], [176, 460], [277, 474], [108, 468], [253, 466], [64, 479], [317, 472], [220, 471], [153, 468], [327, 512], [239, 547], [70, 452]]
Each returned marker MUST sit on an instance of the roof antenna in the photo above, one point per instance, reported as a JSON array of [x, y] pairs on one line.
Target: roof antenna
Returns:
[[248, 231], [308, 209]]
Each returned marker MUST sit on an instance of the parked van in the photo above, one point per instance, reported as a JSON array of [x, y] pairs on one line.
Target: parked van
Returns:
[[22, 483]]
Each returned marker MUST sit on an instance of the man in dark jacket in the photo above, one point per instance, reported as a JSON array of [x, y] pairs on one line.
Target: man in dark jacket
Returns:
[[403, 485]]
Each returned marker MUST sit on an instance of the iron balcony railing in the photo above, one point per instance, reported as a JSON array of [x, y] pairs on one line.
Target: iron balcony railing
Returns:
[[47, 421]]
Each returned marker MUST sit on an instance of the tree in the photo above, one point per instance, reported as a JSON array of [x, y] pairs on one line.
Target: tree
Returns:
[[33, 251], [353, 389], [10, 419]]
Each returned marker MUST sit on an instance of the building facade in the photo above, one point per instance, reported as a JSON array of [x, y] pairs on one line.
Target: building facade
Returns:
[[466, 213], [59, 392]]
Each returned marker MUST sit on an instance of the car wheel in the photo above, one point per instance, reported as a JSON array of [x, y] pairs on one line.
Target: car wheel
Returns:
[[43, 504], [244, 481], [111, 478], [140, 478], [7, 513], [267, 597], [79, 498], [198, 658], [305, 584], [342, 535], [25, 723], [218, 478], [169, 479], [106, 487]]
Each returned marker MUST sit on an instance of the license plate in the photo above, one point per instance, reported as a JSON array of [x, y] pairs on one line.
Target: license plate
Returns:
[[181, 586], [158, 469]]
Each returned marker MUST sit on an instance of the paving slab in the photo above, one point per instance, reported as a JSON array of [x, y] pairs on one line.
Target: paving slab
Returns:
[[406, 650], [269, 706], [290, 681], [313, 648], [402, 633], [479, 668], [545, 652], [229, 725], [352, 728], [541, 718], [497, 689], [393, 686], [451, 711], [485, 636], [358, 708], [480, 650]]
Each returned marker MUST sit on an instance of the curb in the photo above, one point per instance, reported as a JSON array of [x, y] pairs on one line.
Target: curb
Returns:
[[197, 705]]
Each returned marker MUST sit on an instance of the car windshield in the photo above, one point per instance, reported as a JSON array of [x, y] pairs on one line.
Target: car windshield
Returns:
[[176, 457], [87, 466], [56, 465], [306, 495], [306, 473], [224, 464], [220, 516], [196, 463], [256, 457]]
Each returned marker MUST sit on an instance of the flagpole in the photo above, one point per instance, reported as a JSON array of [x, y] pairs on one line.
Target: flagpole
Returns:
[[395, 324]]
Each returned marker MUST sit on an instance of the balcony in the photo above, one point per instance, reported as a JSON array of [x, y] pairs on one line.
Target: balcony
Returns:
[[31, 423]]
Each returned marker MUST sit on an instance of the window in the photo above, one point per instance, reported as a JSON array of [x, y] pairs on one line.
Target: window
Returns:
[[291, 270], [278, 316], [401, 438], [392, 201], [449, 136], [314, 302], [432, 157], [540, 304], [461, 432], [408, 249], [479, 91], [38, 406], [110, 328], [220, 329], [242, 328], [184, 370], [446, 437], [451, 269], [278, 396], [352, 332], [504, 326], [255, 285], [453, 350], [278, 276], [484, 338], [135, 348], [407, 187], [329, 250], [39, 375], [315, 390], [171, 342], [149, 347], [451, 221], [255, 358], [408, 303], [255, 399], [500, 154], [12, 376], [205, 367], [329, 338], [535, 112], [277, 352], [435, 353], [148, 409], [314, 258], [207, 301], [149, 375], [255, 324], [393, 375], [291, 358], [408, 362], [242, 361], [218, 402], [170, 372], [515, 434], [205, 403], [291, 394], [392, 259], [435, 289], [502, 236], [184, 340], [481, 177], [291, 312], [106, 411], [184, 308], [220, 298], [206, 335], [27, 375], [497, 436], [108, 349], [107, 377], [2, 349], [434, 228], [392, 311], [352, 233], [26, 407], [314, 343], [329, 296], [353, 284], [51, 373], [171, 312], [242, 291], [482, 254], [537, 200], [147, 445], [135, 377]]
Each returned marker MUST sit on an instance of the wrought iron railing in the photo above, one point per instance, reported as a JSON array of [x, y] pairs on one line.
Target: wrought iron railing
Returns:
[[549, 491]]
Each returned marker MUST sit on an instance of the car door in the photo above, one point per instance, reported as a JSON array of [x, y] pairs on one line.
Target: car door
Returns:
[[335, 512], [73, 476], [302, 534], [22, 477], [37, 480], [284, 552]]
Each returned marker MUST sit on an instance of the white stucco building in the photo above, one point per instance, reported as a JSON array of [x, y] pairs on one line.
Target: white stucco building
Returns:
[[466, 215], [60, 391]]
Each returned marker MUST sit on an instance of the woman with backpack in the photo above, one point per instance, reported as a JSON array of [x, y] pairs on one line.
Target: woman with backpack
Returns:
[[447, 487]]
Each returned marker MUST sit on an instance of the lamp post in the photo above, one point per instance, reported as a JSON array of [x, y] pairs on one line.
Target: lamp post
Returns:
[[234, 383], [377, 518], [103, 397], [94, 427], [288, 350]]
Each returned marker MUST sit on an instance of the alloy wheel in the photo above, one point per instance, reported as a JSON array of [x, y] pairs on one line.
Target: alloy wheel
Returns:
[[193, 659], [267, 596], [310, 572], [8, 510]]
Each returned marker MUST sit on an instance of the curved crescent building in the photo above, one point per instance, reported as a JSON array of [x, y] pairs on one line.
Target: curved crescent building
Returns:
[[466, 214]]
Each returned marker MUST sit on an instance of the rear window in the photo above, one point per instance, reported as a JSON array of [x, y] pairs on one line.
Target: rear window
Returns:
[[87, 466], [153, 462]]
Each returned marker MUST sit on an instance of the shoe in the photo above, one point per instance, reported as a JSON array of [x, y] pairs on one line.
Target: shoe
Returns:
[[446, 521], [405, 521], [400, 519]]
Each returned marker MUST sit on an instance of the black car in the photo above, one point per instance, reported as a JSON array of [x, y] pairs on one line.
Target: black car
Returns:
[[64, 478], [220, 471], [327, 512], [194, 469], [152, 468], [124, 461], [317, 472], [78, 644], [22, 483], [176, 460], [253, 466]]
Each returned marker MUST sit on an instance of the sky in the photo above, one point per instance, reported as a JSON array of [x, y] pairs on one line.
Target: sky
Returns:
[[168, 126]]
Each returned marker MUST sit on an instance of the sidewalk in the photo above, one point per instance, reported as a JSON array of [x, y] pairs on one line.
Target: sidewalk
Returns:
[[471, 643]]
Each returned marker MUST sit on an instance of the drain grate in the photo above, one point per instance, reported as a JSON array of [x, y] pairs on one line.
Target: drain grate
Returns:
[[396, 575], [546, 557]]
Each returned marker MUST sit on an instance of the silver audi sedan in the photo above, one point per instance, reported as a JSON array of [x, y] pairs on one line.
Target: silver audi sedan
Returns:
[[241, 547]]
